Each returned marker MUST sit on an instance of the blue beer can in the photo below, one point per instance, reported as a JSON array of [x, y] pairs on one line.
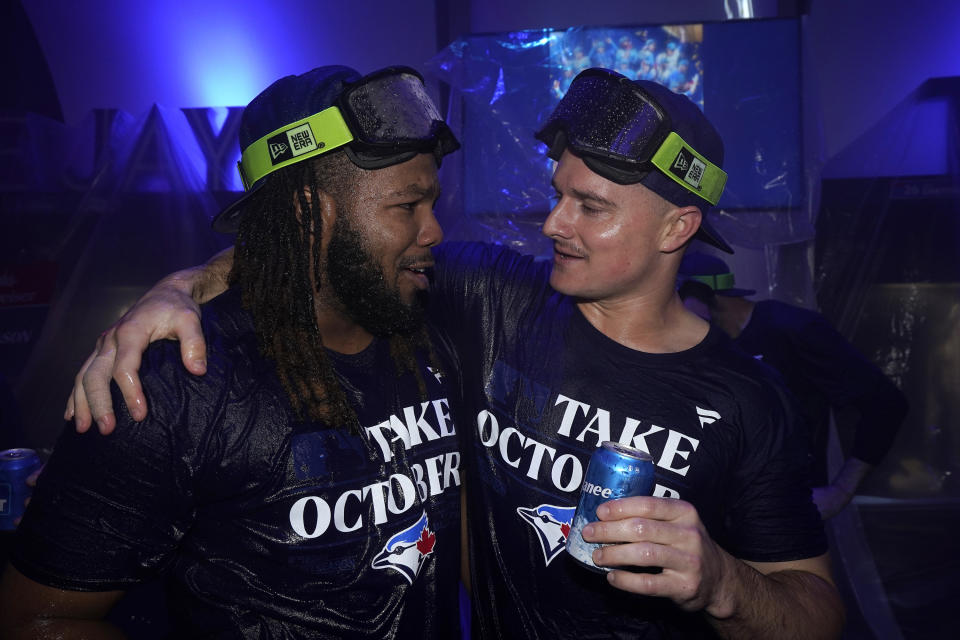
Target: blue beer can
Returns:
[[615, 471], [15, 466]]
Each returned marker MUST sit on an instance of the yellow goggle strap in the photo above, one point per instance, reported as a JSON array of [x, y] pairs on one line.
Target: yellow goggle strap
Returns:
[[678, 161], [297, 141], [718, 282]]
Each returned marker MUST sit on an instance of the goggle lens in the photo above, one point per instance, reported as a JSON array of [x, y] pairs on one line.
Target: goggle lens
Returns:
[[392, 109], [608, 116]]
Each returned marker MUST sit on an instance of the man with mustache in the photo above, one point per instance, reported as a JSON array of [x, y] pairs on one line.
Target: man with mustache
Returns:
[[556, 358], [308, 485]]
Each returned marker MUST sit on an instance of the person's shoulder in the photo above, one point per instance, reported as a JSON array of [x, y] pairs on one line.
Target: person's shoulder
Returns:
[[230, 339], [224, 316], [238, 379], [740, 371], [719, 349], [750, 394], [482, 254], [786, 315], [470, 265]]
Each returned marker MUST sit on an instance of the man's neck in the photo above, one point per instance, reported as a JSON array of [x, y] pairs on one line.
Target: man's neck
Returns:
[[657, 324], [340, 333]]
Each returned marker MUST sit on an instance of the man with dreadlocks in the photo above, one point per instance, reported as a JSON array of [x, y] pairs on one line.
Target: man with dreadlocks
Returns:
[[308, 485]]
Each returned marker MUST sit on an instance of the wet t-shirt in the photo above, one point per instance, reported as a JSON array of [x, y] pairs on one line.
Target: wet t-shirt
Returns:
[[263, 526], [543, 388]]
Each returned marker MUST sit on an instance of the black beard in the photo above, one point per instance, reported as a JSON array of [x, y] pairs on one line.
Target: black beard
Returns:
[[359, 284]]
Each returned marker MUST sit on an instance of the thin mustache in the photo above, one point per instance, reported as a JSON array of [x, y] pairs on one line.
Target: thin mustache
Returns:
[[570, 249], [418, 262]]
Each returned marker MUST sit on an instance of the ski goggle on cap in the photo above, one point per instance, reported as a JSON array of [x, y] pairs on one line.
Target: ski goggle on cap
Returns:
[[637, 131], [379, 120]]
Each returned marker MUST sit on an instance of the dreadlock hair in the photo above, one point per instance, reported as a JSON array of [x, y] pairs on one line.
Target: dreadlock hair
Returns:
[[277, 265]]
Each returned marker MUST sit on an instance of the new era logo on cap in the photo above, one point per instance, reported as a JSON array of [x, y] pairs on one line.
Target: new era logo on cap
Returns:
[[688, 168], [277, 149], [292, 143]]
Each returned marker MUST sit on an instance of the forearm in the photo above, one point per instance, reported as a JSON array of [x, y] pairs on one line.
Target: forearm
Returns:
[[65, 629], [786, 605], [30, 610], [851, 475], [834, 497], [881, 414], [205, 281]]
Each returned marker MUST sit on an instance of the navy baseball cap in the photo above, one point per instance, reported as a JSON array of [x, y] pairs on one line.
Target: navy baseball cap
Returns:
[[381, 119], [640, 132], [711, 271]]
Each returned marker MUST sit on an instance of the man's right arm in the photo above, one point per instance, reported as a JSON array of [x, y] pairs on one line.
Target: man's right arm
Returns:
[[849, 380], [168, 310], [791, 599], [32, 611]]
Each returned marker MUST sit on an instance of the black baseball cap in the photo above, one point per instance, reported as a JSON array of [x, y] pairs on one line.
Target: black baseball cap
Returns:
[[711, 271]]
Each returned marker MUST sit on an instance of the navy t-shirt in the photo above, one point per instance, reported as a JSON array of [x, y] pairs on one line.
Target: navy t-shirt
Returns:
[[824, 370], [263, 526], [544, 389]]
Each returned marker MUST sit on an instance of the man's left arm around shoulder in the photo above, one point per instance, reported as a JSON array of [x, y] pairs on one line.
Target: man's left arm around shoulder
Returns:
[[784, 600]]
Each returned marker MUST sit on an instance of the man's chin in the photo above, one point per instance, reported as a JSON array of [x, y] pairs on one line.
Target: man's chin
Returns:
[[411, 321], [416, 301], [400, 320], [402, 328]]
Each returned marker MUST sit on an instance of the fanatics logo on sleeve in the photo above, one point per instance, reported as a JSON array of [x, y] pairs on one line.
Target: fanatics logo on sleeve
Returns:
[[707, 416], [688, 168], [292, 143]]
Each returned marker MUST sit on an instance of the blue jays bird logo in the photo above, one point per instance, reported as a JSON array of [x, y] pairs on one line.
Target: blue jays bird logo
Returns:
[[552, 526], [407, 551]]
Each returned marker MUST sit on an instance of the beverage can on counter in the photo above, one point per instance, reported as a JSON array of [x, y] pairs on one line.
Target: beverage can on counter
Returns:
[[16, 465], [615, 471]]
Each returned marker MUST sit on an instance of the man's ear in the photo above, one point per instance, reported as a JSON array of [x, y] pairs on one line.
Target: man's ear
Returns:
[[682, 224]]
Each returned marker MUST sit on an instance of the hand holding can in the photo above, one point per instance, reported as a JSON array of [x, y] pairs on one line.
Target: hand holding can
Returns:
[[615, 471]]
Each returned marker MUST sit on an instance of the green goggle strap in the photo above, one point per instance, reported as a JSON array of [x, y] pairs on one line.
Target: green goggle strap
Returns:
[[718, 282], [306, 138], [702, 178]]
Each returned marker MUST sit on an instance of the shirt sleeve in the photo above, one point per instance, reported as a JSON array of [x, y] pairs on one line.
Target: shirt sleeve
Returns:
[[772, 516], [108, 511]]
